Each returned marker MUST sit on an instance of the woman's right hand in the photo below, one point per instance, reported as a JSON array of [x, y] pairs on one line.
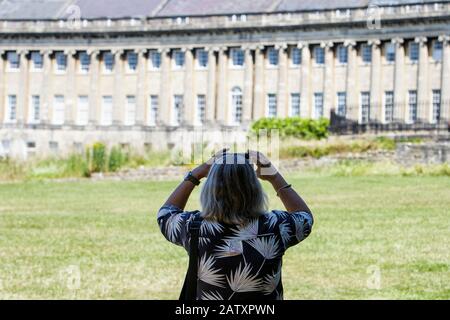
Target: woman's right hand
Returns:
[[265, 170]]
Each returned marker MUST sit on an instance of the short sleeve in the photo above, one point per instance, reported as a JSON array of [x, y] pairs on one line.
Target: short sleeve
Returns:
[[293, 227], [173, 223]]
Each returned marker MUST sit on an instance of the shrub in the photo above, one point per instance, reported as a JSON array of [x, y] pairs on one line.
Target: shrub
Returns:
[[117, 159], [98, 157], [294, 127]]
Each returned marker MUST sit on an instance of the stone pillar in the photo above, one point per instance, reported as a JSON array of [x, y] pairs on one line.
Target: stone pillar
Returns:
[[248, 87], [306, 109], [70, 96], [328, 84], [445, 78], [351, 83], [46, 93], [165, 92], [189, 113], [210, 111], [258, 96], [282, 97], [400, 105], [423, 92], [118, 97], [2, 87], [94, 104], [222, 94], [22, 97], [142, 87], [376, 108]]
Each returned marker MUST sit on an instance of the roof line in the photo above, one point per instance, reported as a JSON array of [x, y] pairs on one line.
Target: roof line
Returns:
[[159, 7]]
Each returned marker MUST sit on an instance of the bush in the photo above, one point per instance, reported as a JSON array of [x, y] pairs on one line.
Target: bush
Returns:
[[98, 163], [308, 129], [117, 159]]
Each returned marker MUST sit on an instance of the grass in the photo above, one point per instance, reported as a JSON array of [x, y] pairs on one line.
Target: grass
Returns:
[[395, 225]]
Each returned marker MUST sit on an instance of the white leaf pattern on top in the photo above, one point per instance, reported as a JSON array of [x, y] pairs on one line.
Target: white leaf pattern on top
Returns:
[[243, 280], [231, 248], [207, 273], [271, 282], [250, 231], [268, 247], [212, 295]]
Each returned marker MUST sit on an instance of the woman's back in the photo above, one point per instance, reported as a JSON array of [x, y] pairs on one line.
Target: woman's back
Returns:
[[238, 262]]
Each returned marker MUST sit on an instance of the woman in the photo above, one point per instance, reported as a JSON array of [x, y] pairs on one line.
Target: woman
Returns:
[[240, 244]]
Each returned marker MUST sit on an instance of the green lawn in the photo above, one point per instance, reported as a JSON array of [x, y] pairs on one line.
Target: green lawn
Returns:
[[397, 226]]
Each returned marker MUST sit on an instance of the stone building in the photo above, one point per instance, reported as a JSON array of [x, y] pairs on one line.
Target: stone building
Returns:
[[136, 72]]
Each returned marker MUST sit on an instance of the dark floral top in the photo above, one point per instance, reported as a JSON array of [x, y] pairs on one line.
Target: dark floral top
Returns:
[[238, 262]]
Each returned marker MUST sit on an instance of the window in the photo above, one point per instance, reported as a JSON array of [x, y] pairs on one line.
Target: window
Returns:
[[436, 105], [271, 105], [366, 53], [437, 50], [342, 54], [35, 108], [236, 105], [11, 112], [155, 59], [53, 146], [108, 62], [295, 104], [130, 111], [177, 109], [83, 110], [414, 51], [58, 110], [342, 103], [388, 106], [237, 57], [272, 56], [412, 103], [61, 62], [153, 110], [37, 61], [365, 107], [13, 60], [178, 58], [296, 56], [6, 146], [107, 110], [201, 106], [390, 52], [85, 61], [319, 55], [132, 61], [318, 105], [202, 58]]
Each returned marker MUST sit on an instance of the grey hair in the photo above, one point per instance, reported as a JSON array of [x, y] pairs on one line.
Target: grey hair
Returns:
[[232, 193]]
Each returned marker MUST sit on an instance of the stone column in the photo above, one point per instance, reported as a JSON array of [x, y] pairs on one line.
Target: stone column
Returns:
[[94, 104], [46, 93], [306, 110], [351, 83], [22, 98], [400, 105], [165, 92], [189, 113], [2, 87], [210, 111], [258, 96], [248, 86], [376, 108], [70, 96], [142, 87], [282, 97], [423, 92], [222, 94], [118, 97], [328, 84], [445, 78]]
